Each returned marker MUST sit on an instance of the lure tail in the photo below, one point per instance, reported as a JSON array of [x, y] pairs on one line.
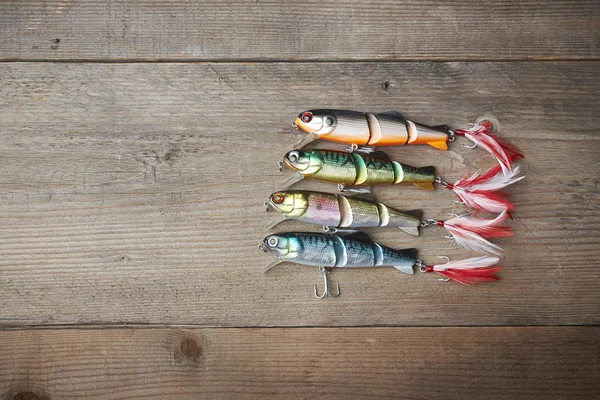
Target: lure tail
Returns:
[[504, 152], [423, 177], [481, 191], [469, 271], [471, 232], [407, 254]]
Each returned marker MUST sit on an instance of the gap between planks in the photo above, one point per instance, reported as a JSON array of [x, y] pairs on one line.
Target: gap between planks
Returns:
[[293, 61], [150, 326]]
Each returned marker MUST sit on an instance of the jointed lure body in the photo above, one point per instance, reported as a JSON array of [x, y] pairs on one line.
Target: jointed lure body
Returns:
[[391, 129], [338, 211], [365, 129], [354, 169], [322, 250]]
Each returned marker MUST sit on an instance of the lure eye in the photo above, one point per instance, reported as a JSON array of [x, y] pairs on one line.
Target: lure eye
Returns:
[[293, 156], [272, 241], [306, 117], [328, 121], [278, 198]]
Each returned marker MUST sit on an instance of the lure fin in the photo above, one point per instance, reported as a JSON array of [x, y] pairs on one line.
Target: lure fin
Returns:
[[444, 128], [410, 253], [429, 170], [305, 140], [297, 177], [358, 236], [411, 230], [414, 213], [405, 269], [363, 196], [271, 265], [393, 113], [425, 185], [275, 221], [380, 155], [439, 145]]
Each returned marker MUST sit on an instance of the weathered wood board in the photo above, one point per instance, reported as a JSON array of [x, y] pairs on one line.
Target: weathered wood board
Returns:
[[132, 193], [298, 30], [138, 141], [404, 363]]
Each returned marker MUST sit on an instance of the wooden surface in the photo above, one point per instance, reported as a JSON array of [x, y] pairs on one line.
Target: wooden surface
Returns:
[[131, 194], [298, 30], [414, 363]]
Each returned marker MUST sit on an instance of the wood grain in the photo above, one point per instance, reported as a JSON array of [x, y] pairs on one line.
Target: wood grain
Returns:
[[298, 30], [407, 363], [133, 193]]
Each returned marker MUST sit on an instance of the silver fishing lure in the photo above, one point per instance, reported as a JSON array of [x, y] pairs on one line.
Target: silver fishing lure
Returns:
[[329, 251], [337, 212]]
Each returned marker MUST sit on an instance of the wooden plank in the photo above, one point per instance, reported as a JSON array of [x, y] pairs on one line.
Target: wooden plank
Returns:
[[298, 30], [133, 192], [409, 363]]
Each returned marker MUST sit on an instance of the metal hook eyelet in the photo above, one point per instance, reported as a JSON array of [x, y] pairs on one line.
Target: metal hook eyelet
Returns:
[[440, 181], [427, 222]]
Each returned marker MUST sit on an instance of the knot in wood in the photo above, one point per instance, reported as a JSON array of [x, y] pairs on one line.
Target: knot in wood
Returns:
[[190, 348]]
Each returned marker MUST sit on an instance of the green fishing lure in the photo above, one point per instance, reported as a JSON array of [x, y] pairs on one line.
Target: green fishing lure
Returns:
[[354, 169]]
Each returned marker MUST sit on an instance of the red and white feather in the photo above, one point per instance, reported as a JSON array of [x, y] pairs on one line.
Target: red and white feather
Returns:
[[504, 152], [480, 191], [469, 271], [471, 232]]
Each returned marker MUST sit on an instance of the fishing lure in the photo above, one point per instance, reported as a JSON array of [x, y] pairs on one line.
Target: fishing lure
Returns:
[[479, 191], [391, 129], [339, 213], [353, 169], [335, 251]]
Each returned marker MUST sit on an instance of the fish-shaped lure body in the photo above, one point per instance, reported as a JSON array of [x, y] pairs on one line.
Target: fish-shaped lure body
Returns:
[[322, 250], [336, 210], [355, 169], [365, 129]]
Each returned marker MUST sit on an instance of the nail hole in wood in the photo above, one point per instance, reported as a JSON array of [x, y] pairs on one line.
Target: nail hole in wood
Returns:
[[386, 85]]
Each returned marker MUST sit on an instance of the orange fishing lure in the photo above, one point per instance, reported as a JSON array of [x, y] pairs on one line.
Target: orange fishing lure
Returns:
[[391, 129]]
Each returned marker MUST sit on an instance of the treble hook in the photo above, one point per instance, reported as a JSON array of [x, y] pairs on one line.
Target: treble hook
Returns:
[[447, 260], [326, 292]]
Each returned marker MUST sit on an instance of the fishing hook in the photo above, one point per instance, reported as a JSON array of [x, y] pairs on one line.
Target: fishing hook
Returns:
[[360, 149], [332, 230], [447, 261], [350, 189], [326, 292], [423, 268]]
